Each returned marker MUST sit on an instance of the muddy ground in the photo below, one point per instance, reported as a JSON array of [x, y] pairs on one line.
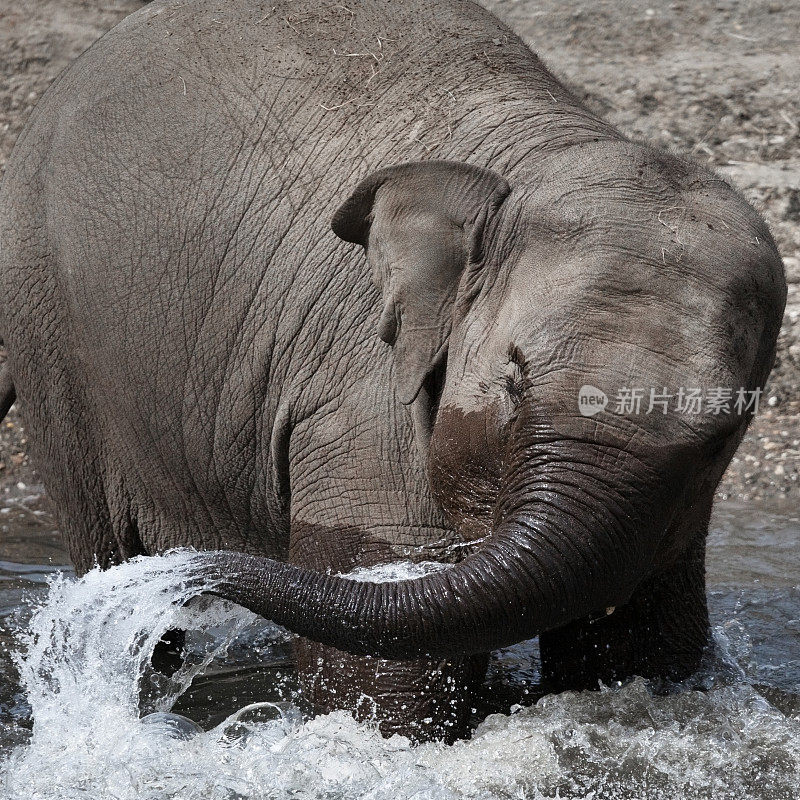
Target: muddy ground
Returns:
[[719, 80]]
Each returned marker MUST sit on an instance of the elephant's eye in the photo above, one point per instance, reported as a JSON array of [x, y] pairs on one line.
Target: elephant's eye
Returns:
[[515, 380], [515, 356], [515, 387]]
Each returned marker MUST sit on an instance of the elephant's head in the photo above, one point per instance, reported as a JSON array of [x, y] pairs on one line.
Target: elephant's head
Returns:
[[615, 267]]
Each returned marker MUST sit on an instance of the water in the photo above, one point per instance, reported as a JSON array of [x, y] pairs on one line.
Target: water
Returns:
[[396, 571], [80, 671]]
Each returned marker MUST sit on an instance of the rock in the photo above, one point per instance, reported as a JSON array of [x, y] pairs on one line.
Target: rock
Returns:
[[792, 266]]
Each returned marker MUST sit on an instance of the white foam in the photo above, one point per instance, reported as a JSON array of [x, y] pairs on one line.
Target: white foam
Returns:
[[85, 649]]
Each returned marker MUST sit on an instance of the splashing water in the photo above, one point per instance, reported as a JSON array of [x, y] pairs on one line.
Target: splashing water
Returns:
[[86, 648], [395, 571]]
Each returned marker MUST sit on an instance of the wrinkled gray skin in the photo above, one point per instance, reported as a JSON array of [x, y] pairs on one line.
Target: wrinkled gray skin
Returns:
[[203, 362]]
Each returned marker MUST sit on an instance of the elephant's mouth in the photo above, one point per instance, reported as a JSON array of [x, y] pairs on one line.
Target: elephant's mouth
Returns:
[[425, 407], [433, 386]]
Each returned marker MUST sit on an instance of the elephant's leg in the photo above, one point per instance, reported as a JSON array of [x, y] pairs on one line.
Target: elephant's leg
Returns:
[[95, 528], [661, 632], [105, 533], [421, 699]]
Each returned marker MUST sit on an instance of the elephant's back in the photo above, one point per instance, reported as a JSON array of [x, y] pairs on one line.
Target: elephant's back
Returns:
[[196, 153], [197, 126], [295, 87]]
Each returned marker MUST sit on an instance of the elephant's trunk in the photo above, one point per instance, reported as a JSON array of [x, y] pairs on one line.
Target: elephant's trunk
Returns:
[[568, 542]]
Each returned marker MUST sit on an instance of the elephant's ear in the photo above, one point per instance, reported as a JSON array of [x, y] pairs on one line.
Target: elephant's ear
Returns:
[[421, 223]]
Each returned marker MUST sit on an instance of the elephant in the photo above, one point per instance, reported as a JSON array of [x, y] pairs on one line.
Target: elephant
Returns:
[[309, 287]]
